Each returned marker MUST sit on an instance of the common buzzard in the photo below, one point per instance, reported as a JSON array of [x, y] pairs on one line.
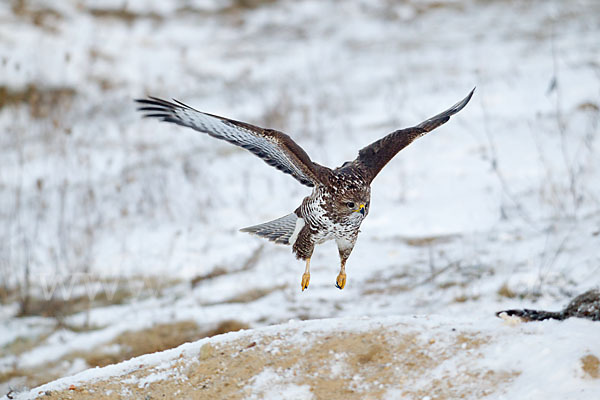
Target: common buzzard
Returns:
[[340, 198]]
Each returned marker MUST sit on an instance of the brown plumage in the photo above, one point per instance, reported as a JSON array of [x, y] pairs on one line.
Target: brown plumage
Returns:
[[341, 197]]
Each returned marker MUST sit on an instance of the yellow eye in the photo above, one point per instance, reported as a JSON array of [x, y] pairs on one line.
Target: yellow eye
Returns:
[[350, 204]]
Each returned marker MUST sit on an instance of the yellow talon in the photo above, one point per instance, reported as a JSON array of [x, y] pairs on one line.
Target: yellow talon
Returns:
[[305, 280], [340, 282]]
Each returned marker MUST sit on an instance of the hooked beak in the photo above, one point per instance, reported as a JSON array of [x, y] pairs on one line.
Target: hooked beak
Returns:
[[361, 209]]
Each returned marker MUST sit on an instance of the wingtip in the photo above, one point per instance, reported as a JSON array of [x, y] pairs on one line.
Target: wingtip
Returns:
[[249, 229], [147, 99], [458, 106], [471, 93], [179, 102], [461, 104]]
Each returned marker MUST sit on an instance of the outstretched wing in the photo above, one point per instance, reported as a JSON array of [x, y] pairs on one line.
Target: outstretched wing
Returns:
[[375, 156], [275, 148]]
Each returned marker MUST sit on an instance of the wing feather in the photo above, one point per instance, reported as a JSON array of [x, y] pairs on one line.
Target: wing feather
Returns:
[[275, 148], [372, 158]]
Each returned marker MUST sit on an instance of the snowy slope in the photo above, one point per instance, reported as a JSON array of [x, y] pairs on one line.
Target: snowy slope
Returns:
[[431, 357], [497, 209]]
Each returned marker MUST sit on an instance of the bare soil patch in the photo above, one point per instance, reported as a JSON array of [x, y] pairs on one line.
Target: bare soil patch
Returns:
[[337, 365]]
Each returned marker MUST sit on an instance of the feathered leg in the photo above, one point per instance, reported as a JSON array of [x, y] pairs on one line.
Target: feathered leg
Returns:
[[340, 281], [306, 275], [303, 248], [344, 248]]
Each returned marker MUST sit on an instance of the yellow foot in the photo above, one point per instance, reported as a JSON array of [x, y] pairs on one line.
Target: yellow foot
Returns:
[[305, 280], [340, 282]]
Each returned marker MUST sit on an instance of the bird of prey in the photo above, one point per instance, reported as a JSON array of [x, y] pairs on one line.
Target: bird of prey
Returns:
[[340, 199]]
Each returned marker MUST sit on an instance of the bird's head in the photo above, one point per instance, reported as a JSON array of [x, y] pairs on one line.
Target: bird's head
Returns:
[[355, 203]]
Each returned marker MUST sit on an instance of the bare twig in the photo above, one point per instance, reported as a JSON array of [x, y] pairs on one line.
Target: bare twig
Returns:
[[494, 163]]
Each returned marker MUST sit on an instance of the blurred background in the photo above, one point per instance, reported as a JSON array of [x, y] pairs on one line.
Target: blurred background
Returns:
[[119, 236]]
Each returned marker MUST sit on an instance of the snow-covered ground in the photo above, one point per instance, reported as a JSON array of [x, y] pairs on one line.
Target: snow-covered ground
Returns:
[[360, 358], [499, 208]]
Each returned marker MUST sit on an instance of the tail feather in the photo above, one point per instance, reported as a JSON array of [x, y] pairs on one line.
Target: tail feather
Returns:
[[279, 230]]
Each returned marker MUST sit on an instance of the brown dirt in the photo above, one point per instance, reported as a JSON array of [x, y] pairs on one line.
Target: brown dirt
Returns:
[[425, 241], [131, 344], [506, 291], [591, 366], [45, 18], [123, 14], [334, 366], [42, 101], [157, 338], [115, 291]]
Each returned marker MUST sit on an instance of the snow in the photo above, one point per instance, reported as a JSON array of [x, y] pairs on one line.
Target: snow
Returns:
[[270, 384], [544, 355], [93, 199]]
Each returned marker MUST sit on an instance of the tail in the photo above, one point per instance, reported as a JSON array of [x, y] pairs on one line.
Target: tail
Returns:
[[533, 315], [282, 230]]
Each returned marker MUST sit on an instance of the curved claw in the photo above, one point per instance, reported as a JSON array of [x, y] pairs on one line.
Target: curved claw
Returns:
[[305, 281], [340, 281]]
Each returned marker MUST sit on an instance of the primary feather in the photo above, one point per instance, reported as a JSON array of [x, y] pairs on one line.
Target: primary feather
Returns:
[[275, 148]]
